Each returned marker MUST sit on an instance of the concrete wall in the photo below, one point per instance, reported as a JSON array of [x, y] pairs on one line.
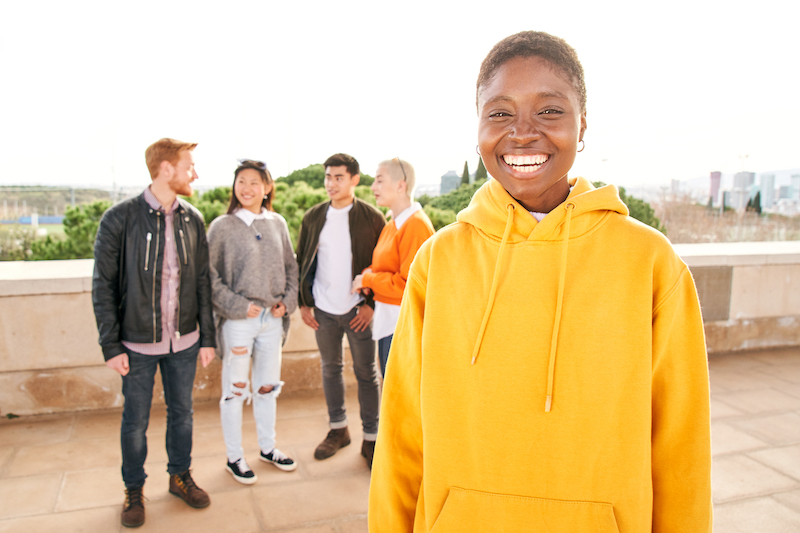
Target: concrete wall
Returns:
[[50, 360], [749, 293]]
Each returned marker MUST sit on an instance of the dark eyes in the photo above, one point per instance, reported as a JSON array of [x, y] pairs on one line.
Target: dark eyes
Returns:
[[549, 111]]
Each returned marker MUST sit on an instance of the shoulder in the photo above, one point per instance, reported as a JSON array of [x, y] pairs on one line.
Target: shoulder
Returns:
[[222, 224], [191, 210], [369, 209], [420, 223], [118, 213], [316, 211]]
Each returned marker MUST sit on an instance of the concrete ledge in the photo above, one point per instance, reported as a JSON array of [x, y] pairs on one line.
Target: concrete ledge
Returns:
[[748, 334], [25, 278], [739, 253]]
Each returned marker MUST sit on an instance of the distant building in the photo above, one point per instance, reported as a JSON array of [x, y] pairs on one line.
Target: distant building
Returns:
[[795, 187], [785, 192], [450, 182], [674, 187], [716, 180], [742, 186], [767, 191]]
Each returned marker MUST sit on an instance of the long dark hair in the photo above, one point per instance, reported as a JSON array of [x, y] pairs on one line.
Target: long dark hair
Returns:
[[266, 177]]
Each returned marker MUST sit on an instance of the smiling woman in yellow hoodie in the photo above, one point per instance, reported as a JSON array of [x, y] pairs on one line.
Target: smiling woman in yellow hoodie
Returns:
[[549, 370]]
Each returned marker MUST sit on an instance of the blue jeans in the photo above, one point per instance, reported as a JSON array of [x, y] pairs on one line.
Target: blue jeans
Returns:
[[260, 337], [177, 376], [384, 345], [362, 348]]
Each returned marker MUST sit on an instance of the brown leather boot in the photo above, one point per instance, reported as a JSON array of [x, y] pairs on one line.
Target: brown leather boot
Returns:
[[368, 451], [183, 486], [133, 510], [337, 438]]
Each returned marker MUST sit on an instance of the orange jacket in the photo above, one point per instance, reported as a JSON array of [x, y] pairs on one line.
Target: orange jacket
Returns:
[[393, 255]]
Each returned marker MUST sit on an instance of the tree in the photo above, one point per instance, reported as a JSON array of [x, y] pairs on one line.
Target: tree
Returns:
[[314, 175], [638, 209], [80, 229], [480, 174], [754, 204], [456, 200], [465, 175]]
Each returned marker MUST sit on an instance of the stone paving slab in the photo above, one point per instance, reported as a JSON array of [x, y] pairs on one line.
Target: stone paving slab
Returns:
[[61, 472]]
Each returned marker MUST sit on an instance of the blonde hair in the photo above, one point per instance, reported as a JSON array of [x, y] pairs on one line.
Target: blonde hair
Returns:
[[401, 170], [165, 149]]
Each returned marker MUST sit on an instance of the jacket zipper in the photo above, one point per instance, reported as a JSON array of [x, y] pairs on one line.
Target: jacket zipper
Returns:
[[147, 252], [183, 242], [185, 262], [155, 262]]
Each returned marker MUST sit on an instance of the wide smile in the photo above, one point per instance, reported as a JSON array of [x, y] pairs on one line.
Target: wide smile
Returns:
[[525, 164]]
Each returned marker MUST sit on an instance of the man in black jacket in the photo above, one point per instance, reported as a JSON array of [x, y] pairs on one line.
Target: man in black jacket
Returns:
[[152, 300], [335, 244]]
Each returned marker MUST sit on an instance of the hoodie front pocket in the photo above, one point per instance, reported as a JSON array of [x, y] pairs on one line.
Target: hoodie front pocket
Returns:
[[471, 510]]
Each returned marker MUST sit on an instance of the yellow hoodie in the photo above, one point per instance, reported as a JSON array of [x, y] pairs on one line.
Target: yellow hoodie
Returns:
[[546, 377]]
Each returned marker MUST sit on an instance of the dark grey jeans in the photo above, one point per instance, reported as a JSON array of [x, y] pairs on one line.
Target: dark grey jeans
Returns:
[[331, 330]]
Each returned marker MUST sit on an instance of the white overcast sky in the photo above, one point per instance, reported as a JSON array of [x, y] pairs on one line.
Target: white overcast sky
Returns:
[[675, 89]]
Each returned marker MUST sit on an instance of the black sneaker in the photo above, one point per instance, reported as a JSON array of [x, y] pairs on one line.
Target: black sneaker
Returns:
[[279, 459], [241, 472]]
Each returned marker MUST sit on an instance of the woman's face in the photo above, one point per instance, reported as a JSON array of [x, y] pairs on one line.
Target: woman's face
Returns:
[[384, 189], [250, 189], [529, 125]]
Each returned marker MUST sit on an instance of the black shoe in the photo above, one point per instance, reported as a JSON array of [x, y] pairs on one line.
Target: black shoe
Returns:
[[368, 451], [337, 438], [133, 511], [241, 472], [279, 459]]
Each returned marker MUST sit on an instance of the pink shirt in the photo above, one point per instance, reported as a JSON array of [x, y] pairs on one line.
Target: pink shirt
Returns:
[[170, 286]]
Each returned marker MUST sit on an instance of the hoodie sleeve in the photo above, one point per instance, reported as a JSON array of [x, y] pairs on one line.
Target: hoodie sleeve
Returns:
[[397, 466], [681, 448]]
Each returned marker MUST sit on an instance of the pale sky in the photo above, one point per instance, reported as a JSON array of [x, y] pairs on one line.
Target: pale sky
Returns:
[[675, 89]]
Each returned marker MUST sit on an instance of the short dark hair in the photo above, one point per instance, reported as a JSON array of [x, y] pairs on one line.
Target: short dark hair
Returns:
[[266, 177], [338, 160], [534, 44]]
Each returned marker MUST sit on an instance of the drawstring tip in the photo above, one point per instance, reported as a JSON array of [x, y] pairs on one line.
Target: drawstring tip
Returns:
[[548, 403], [473, 359]]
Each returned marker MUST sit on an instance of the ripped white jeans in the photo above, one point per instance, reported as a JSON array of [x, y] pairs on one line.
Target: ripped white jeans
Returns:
[[259, 337]]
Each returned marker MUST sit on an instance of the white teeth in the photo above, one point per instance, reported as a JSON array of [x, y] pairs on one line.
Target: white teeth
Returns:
[[525, 160]]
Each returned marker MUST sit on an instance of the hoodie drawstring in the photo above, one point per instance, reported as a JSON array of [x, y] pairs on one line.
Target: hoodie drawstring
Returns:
[[551, 367], [495, 281]]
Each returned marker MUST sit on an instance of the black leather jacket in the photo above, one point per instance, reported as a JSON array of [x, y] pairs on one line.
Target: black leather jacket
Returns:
[[126, 286]]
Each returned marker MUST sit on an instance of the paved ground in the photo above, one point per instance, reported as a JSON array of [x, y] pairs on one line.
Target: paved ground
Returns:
[[61, 472]]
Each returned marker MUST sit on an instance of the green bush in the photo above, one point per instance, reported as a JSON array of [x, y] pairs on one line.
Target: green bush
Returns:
[[80, 230]]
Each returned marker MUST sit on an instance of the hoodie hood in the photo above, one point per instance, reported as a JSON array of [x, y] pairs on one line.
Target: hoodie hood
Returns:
[[496, 214], [488, 211]]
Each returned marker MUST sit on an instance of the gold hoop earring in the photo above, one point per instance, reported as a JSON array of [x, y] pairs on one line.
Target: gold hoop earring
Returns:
[[583, 145], [478, 149]]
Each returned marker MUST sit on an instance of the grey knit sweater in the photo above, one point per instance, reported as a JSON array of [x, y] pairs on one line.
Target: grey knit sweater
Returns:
[[247, 269]]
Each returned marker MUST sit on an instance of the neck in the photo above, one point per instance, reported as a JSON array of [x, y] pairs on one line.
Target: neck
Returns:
[[255, 209], [164, 194], [401, 204], [339, 204]]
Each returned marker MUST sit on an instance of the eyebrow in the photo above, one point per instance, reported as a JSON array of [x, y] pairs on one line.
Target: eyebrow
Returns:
[[545, 94]]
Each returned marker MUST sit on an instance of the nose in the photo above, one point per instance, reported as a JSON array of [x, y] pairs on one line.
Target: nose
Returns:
[[524, 130]]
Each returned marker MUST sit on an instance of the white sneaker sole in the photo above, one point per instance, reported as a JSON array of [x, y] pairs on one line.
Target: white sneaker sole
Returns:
[[286, 468], [240, 479]]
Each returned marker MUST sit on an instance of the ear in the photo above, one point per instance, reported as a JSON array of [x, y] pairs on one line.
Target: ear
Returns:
[[166, 169], [402, 187], [355, 180], [268, 188], [583, 126]]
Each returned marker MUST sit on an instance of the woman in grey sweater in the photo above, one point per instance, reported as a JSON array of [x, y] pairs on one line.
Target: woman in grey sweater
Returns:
[[254, 289]]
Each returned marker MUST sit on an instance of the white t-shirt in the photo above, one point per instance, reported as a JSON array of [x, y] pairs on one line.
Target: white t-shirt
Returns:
[[334, 277]]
